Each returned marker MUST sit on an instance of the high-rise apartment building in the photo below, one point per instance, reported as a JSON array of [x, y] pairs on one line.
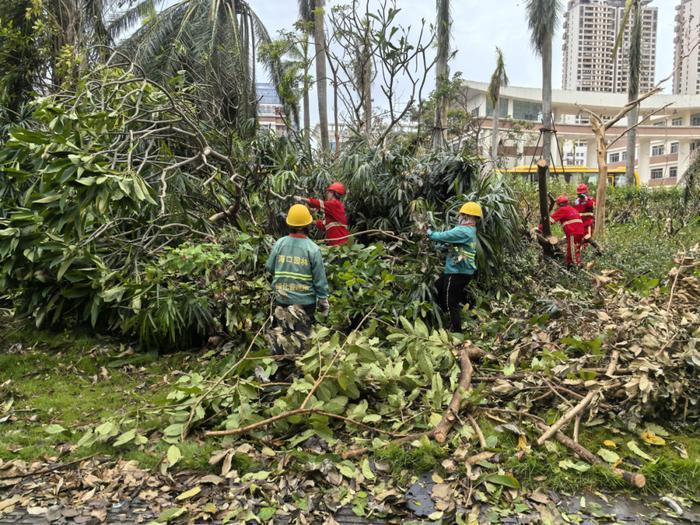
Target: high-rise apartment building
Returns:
[[590, 30], [686, 77]]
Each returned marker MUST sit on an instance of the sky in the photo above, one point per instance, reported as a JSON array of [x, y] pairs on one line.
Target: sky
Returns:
[[479, 26]]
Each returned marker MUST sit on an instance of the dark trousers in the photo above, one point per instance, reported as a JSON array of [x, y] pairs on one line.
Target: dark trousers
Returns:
[[451, 291]]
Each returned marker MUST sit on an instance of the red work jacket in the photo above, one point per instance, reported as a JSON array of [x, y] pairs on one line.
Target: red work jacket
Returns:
[[570, 219], [586, 208], [335, 224]]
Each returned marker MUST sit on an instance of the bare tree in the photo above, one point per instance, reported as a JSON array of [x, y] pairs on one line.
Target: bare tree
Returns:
[[600, 127], [375, 51]]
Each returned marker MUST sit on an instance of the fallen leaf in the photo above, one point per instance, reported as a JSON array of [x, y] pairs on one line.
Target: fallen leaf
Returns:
[[610, 443], [652, 439], [632, 445], [54, 429], [189, 493], [170, 514], [211, 479], [37, 511], [608, 455], [174, 455]]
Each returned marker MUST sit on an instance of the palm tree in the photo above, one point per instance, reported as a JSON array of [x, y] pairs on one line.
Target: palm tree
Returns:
[[442, 72], [634, 64], [543, 16], [212, 41], [312, 12], [499, 79]]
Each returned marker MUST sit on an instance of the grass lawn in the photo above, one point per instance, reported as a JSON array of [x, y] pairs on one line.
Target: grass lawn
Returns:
[[54, 387]]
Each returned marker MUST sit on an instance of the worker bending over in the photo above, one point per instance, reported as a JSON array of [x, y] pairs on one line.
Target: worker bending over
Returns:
[[571, 221], [585, 206], [460, 263], [335, 223], [299, 283]]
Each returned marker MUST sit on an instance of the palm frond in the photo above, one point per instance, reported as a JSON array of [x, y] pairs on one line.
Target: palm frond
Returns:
[[499, 78], [542, 18], [129, 18]]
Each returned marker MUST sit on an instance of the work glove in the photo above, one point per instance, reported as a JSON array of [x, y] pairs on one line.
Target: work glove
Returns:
[[299, 199], [428, 232], [324, 307]]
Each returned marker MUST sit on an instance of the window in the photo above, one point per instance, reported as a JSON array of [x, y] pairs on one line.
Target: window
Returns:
[[673, 171], [674, 147], [657, 150], [523, 110], [677, 121], [623, 155], [659, 123], [695, 120], [614, 157], [657, 173]]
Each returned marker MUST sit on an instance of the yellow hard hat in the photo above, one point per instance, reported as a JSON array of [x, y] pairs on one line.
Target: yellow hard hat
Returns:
[[471, 208], [298, 216]]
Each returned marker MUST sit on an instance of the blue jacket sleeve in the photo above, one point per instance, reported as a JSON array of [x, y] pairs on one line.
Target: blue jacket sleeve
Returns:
[[454, 236], [318, 271]]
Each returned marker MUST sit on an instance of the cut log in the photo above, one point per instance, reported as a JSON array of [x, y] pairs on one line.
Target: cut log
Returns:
[[635, 479]]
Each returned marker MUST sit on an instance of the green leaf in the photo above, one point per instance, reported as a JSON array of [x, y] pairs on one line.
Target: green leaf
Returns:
[[266, 513], [174, 455], [261, 475], [54, 429], [367, 470], [503, 479], [170, 514], [632, 445], [48, 199], [608, 455], [108, 428], [174, 430], [347, 469], [125, 438]]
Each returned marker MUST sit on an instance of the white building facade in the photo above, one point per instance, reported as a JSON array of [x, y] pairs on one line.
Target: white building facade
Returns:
[[666, 144], [686, 72], [590, 31]]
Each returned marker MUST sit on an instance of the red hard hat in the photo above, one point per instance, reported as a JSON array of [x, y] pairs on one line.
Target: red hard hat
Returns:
[[562, 199], [582, 188], [337, 187]]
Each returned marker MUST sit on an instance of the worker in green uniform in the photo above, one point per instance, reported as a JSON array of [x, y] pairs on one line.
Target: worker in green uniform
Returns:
[[460, 263], [299, 284]]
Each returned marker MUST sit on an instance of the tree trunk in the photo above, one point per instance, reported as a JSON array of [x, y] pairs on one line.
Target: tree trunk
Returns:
[[321, 80], [442, 72], [494, 133], [367, 90], [602, 185], [632, 119], [336, 124], [307, 103], [635, 61], [543, 167], [547, 101], [542, 173]]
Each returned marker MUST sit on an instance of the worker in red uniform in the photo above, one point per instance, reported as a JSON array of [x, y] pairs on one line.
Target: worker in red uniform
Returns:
[[334, 223], [571, 221], [585, 206]]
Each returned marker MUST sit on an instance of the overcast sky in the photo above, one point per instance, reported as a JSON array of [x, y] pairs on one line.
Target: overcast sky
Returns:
[[481, 25]]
